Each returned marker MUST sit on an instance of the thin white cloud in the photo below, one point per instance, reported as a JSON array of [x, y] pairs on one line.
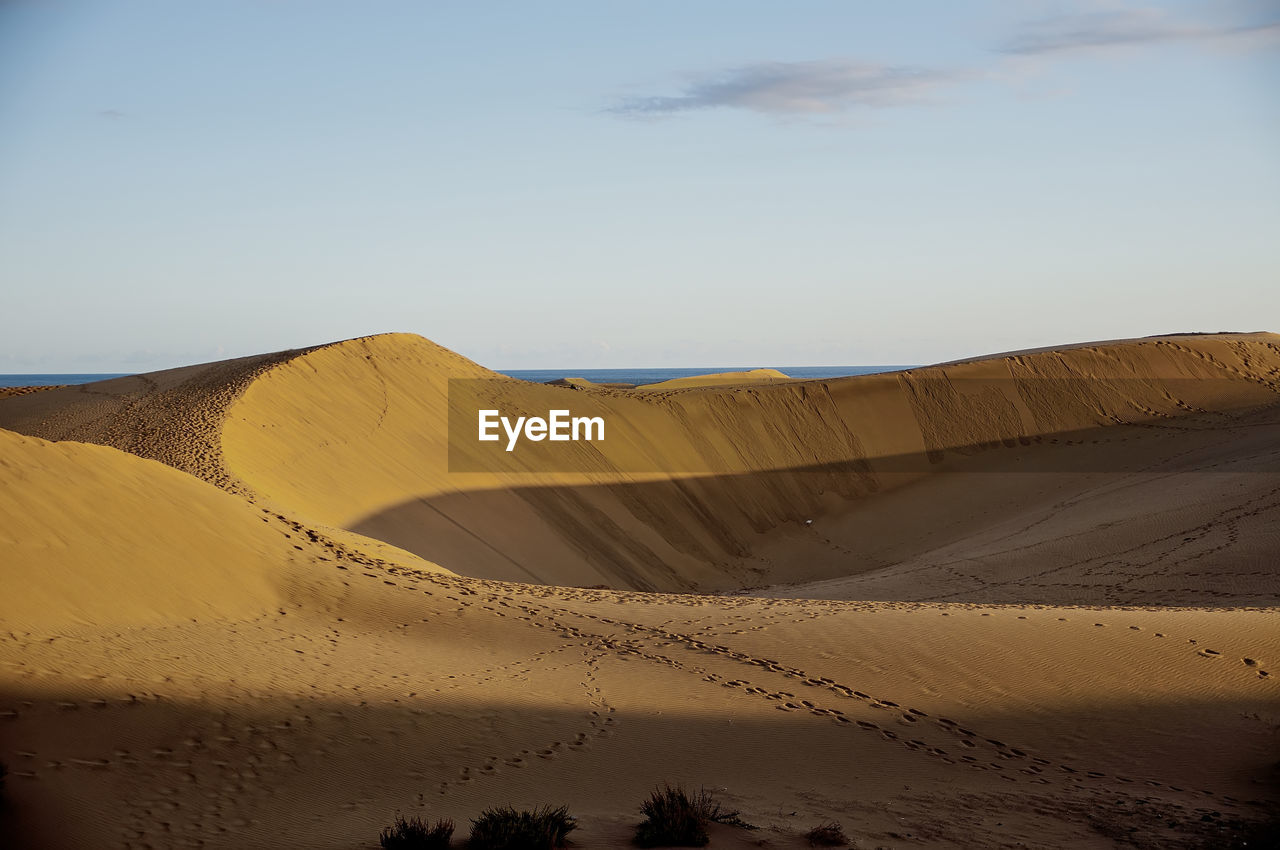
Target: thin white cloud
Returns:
[[829, 86], [797, 88], [1130, 28]]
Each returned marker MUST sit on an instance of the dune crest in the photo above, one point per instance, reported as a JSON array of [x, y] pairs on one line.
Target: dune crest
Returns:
[[694, 494], [174, 416], [698, 488]]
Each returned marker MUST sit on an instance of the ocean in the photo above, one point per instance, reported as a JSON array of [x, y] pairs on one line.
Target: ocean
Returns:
[[537, 376], [47, 380], [653, 376]]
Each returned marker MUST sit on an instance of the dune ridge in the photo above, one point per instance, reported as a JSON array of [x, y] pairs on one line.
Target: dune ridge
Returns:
[[173, 416], [69, 530], [96, 536], [365, 447], [710, 487]]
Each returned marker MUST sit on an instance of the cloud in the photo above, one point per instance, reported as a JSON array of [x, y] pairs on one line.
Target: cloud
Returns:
[[797, 88], [830, 86], [1127, 28]]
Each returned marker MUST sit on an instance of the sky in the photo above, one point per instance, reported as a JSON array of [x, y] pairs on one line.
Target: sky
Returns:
[[632, 184]]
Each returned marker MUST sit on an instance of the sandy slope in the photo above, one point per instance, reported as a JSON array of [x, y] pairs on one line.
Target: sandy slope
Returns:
[[914, 725], [298, 690], [93, 535]]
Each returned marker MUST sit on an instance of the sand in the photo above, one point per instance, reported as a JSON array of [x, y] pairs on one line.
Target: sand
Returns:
[[716, 379], [1034, 606], [9, 392]]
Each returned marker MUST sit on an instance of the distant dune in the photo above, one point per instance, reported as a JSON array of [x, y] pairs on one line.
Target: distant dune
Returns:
[[716, 379], [8, 392], [300, 621]]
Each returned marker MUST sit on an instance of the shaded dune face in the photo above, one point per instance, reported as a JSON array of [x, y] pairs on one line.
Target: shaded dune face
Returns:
[[711, 487]]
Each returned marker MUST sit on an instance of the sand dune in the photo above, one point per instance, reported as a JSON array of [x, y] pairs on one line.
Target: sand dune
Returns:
[[74, 544], [694, 486], [706, 488], [779, 485], [10, 392], [96, 537], [249, 668], [715, 379], [174, 416]]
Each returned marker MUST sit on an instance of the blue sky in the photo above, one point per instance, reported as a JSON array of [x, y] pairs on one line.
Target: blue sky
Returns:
[[594, 185]]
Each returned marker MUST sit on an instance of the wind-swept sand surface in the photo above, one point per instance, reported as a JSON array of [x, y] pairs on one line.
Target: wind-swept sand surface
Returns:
[[1041, 609]]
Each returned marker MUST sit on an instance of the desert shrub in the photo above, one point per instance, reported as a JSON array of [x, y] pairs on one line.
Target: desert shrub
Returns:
[[505, 828], [827, 835], [414, 834], [674, 818]]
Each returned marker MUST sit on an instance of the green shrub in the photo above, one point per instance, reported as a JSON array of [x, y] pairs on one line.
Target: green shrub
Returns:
[[827, 835], [674, 818], [414, 834], [507, 829]]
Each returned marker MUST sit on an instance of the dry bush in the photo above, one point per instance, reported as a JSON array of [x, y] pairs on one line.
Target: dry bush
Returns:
[[505, 828], [827, 835], [674, 818], [415, 834]]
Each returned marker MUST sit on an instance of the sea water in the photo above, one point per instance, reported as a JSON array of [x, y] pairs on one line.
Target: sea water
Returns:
[[50, 380]]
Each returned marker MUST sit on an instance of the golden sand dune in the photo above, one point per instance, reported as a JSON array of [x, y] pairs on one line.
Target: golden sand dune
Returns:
[[174, 416], [572, 382], [716, 379], [96, 537], [301, 683], [92, 535], [710, 488], [10, 392]]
